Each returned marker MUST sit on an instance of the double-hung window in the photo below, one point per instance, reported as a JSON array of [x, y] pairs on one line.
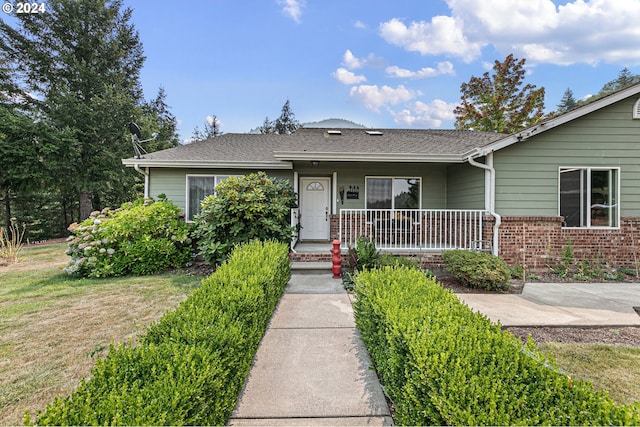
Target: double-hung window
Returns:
[[199, 187], [393, 192], [589, 196]]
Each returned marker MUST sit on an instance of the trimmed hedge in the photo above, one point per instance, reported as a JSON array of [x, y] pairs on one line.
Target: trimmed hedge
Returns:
[[190, 366], [477, 269], [443, 364]]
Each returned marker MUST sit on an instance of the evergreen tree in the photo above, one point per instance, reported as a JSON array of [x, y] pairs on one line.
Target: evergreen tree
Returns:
[[81, 60], [624, 79], [568, 102], [211, 129], [286, 124], [158, 124], [268, 127], [498, 102]]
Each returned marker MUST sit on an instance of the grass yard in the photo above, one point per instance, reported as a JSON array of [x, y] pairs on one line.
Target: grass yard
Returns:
[[52, 326], [614, 368]]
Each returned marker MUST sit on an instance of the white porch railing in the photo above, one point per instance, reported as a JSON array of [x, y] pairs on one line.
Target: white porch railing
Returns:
[[414, 229]]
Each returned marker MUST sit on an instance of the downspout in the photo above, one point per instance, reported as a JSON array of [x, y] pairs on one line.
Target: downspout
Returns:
[[144, 172], [492, 197]]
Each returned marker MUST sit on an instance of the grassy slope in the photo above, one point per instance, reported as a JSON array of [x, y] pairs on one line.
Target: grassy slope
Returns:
[[52, 326]]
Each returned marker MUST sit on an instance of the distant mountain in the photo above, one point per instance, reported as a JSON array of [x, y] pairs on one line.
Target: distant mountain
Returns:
[[334, 123]]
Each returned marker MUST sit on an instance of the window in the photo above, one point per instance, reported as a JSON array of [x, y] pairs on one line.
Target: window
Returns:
[[589, 197], [393, 193], [199, 187]]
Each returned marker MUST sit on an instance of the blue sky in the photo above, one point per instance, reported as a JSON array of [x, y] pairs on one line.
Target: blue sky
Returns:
[[381, 63]]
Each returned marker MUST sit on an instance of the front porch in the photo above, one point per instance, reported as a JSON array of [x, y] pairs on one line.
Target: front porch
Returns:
[[415, 230], [421, 233]]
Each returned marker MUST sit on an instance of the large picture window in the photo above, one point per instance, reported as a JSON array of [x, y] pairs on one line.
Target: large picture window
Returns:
[[393, 192], [199, 187], [589, 197]]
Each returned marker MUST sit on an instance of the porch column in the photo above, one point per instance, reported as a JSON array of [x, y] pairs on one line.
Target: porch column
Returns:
[[334, 193]]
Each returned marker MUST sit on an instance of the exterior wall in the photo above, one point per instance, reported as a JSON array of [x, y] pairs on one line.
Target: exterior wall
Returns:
[[537, 242], [465, 187], [173, 182], [434, 179], [527, 172]]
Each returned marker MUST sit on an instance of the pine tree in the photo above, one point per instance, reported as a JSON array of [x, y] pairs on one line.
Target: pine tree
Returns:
[[568, 102], [286, 124], [81, 60], [268, 127]]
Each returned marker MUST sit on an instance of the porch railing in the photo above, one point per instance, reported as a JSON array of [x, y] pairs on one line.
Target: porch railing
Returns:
[[413, 229]]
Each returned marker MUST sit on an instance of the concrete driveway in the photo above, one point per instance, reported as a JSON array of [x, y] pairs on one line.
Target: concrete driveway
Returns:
[[562, 304]]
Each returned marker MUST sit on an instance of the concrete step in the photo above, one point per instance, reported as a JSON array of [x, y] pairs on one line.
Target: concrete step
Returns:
[[311, 266]]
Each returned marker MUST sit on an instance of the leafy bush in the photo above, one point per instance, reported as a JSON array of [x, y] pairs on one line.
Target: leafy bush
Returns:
[[191, 365], [443, 364], [477, 269], [243, 209], [389, 260], [364, 255], [142, 237]]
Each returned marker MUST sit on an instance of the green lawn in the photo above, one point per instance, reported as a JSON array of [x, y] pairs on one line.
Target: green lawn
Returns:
[[613, 368], [52, 326]]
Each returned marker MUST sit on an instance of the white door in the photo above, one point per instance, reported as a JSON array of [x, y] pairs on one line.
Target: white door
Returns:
[[314, 208]]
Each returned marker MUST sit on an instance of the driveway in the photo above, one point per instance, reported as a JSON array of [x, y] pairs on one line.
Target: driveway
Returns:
[[562, 304]]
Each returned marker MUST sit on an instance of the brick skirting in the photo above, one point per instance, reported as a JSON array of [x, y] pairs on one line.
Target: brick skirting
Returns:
[[537, 242]]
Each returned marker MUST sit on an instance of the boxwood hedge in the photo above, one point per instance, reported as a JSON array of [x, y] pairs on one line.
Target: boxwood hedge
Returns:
[[443, 364], [190, 366]]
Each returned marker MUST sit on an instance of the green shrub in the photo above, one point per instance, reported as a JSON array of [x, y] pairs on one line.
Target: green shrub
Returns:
[[443, 364], [389, 260], [242, 209], [143, 237], [477, 269], [191, 365], [364, 255]]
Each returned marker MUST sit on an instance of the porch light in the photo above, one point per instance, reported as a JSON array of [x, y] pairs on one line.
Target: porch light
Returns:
[[315, 163]]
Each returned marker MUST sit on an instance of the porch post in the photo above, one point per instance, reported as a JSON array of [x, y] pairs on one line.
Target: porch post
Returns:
[[334, 193]]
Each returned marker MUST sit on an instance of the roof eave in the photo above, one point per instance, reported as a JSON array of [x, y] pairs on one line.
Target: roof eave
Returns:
[[205, 164], [368, 157]]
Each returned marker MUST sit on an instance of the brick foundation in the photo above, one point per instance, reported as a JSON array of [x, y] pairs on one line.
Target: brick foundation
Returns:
[[538, 242]]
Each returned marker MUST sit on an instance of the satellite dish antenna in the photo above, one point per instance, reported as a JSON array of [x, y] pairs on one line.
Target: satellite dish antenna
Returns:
[[136, 134], [135, 130]]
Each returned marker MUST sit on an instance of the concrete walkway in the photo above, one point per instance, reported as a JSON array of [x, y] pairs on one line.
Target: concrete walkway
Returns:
[[312, 367], [562, 304]]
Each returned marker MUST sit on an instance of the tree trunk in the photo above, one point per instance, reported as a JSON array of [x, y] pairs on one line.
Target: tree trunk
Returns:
[[86, 206], [7, 212]]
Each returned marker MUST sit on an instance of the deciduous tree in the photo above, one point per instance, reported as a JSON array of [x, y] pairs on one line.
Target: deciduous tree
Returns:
[[499, 102]]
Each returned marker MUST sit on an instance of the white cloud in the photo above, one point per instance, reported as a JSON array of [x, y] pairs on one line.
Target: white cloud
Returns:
[[209, 120], [293, 8], [359, 25], [374, 97], [352, 62], [425, 115], [443, 68], [578, 31], [443, 35], [347, 77]]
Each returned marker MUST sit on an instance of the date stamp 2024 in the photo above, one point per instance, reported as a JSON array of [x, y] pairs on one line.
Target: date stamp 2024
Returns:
[[23, 8]]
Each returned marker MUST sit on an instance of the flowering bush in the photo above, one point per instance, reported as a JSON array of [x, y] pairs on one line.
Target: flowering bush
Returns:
[[142, 237]]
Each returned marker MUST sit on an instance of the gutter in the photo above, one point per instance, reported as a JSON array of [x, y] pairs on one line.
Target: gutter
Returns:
[[145, 172], [492, 196]]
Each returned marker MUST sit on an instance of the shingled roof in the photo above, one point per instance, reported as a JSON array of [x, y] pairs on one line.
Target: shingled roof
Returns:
[[278, 151]]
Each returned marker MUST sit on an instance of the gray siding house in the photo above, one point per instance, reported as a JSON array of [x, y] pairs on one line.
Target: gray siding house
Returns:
[[572, 178]]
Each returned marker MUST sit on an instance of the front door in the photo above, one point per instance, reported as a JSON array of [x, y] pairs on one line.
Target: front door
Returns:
[[314, 208]]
